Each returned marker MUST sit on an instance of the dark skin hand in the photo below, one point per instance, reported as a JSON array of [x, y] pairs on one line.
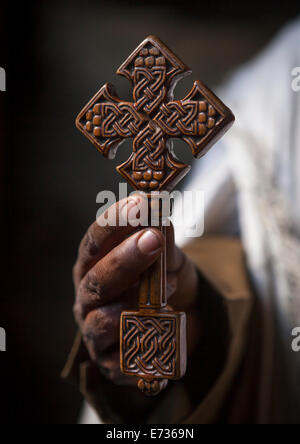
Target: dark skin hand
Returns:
[[110, 262]]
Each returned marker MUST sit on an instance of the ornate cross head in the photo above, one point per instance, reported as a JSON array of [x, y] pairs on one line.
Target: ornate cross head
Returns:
[[154, 118]]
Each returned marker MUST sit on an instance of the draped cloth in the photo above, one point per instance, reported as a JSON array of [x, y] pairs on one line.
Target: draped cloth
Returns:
[[251, 181]]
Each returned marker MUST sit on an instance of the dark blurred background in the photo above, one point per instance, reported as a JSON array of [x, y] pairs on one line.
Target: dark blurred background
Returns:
[[57, 55]]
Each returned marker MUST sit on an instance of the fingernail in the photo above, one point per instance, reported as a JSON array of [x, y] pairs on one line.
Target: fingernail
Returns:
[[149, 242]]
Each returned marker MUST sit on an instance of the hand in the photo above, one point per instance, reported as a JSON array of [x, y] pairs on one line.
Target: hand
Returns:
[[110, 262]]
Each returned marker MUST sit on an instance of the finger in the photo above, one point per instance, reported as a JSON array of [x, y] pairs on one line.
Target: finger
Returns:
[[102, 325], [185, 296], [100, 239], [109, 365], [172, 284], [175, 257], [101, 334], [182, 276], [119, 270]]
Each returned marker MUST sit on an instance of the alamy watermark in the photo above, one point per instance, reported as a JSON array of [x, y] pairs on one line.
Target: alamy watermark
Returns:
[[189, 210], [296, 79], [2, 79], [296, 341], [2, 340]]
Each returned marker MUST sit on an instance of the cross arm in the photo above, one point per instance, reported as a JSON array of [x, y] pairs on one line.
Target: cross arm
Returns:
[[107, 121], [200, 119]]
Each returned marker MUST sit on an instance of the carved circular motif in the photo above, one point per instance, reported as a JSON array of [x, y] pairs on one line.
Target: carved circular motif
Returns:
[[202, 117], [153, 184], [211, 111], [210, 123], [202, 106], [137, 175], [89, 126], [158, 175], [147, 175], [202, 129], [150, 58], [143, 184]]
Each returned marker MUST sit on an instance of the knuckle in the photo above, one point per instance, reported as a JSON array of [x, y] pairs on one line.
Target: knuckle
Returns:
[[89, 297], [97, 326], [110, 229], [102, 327], [95, 283], [89, 243]]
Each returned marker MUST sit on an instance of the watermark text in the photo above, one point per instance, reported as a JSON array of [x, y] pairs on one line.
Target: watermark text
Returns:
[[2, 340], [296, 341], [189, 210], [296, 79], [2, 79]]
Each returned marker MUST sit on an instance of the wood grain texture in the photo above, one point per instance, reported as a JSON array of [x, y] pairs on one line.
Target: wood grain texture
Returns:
[[153, 340]]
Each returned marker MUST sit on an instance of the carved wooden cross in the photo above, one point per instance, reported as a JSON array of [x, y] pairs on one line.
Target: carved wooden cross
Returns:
[[153, 340]]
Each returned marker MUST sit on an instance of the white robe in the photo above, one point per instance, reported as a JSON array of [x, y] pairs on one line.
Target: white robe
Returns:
[[252, 176]]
